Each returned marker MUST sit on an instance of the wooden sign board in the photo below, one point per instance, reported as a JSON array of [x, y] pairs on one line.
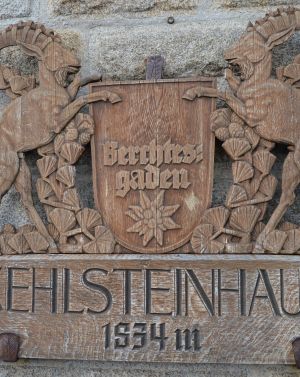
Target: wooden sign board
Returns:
[[155, 272], [215, 309]]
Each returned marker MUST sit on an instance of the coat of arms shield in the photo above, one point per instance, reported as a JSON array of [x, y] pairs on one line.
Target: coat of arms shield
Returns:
[[153, 162]]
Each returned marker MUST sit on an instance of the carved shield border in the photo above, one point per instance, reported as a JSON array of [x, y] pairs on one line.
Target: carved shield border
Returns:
[[199, 113]]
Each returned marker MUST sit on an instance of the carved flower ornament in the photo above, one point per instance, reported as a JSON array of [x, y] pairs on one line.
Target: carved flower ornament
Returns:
[[152, 218]]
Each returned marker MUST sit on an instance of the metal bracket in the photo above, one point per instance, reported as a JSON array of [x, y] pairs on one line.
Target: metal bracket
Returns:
[[9, 347], [296, 350], [154, 67]]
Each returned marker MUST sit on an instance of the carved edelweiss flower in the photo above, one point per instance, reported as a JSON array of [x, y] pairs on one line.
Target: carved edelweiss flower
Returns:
[[152, 218]]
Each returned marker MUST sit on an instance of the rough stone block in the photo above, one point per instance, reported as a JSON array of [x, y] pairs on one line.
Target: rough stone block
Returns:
[[14, 56], [51, 368], [71, 39], [67, 7], [14, 8], [189, 49], [255, 3]]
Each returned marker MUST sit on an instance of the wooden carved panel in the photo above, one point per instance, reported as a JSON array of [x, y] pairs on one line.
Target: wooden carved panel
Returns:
[[152, 157], [153, 162], [161, 138]]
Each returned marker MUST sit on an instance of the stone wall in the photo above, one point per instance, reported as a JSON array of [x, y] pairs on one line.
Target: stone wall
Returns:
[[115, 37]]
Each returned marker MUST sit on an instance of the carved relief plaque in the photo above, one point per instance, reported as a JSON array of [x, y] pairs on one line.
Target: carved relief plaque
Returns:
[[153, 162], [155, 272]]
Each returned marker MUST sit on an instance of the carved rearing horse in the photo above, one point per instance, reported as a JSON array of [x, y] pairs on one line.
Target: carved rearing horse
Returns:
[[33, 119], [268, 105]]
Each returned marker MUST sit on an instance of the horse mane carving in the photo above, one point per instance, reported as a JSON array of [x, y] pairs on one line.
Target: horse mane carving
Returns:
[[262, 110], [27, 32], [30, 33], [279, 20]]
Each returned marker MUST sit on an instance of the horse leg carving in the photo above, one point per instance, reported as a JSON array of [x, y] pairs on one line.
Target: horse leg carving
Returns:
[[200, 91], [78, 83], [68, 113], [231, 100], [9, 167], [232, 80], [23, 186], [290, 181]]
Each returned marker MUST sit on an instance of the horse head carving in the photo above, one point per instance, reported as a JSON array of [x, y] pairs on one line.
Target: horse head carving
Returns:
[[54, 58]]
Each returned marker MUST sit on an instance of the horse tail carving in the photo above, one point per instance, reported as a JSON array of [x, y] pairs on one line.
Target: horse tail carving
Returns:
[[28, 32]]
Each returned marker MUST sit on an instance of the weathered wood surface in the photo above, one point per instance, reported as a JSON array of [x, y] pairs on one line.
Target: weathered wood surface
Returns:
[[153, 156], [241, 309]]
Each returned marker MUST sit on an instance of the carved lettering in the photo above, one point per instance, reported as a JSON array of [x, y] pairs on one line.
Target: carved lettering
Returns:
[[98, 288], [110, 154], [67, 293], [51, 288], [270, 296], [240, 291], [154, 154], [150, 178], [11, 287], [149, 288]]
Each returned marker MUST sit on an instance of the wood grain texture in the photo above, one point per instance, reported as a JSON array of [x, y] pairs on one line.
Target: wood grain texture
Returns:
[[152, 162], [241, 309]]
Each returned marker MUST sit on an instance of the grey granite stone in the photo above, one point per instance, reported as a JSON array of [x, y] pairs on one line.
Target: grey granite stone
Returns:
[[55, 368], [255, 3], [104, 7], [14, 8], [189, 49]]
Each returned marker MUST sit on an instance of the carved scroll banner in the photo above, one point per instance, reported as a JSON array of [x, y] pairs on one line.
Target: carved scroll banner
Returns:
[[153, 158], [229, 309]]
